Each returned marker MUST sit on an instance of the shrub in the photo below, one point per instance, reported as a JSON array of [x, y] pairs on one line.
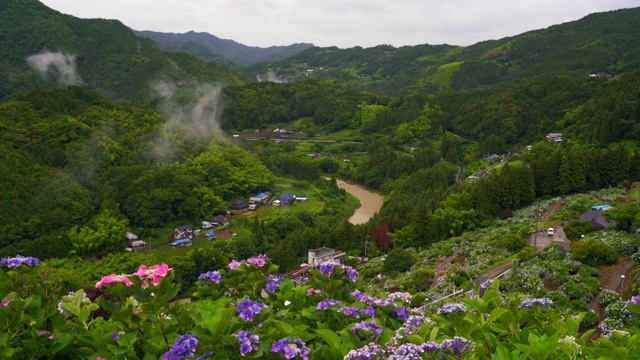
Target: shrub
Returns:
[[588, 271], [399, 260], [608, 297], [589, 319], [575, 229]]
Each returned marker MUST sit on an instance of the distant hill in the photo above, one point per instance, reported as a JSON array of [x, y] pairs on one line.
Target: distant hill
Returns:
[[223, 51], [606, 42], [41, 47]]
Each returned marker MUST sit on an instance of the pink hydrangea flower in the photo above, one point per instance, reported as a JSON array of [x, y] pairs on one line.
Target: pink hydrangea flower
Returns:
[[233, 264], [113, 279]]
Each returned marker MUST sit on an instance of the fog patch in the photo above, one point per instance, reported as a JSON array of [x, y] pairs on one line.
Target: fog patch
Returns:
[[271, 77], [57, 67], [192, 110]]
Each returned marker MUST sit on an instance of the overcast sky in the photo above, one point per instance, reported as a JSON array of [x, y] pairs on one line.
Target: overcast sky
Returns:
[[342, 23]]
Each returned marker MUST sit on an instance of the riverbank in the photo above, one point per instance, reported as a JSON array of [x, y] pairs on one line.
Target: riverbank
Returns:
[[370, 202]]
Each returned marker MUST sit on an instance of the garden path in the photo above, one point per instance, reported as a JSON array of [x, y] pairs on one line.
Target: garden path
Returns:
[[438, 270]]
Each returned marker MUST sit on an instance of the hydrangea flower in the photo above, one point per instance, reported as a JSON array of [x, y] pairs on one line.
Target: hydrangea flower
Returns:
[[233, 265], [248, 309], [114, 279], [527, 303], [451, 308], [368, 327], [291, 349], [635, 300], [312, 291], [248, 342], [185, 345], [458, 346], [369, 311], [210, 277], [326, 268], [367, 352], [351, 273], [45, 332], [402, 313], [274, 283], [154, 273], [258, 261], [408, 351], [350, 311], [324, 304], [19, 260]]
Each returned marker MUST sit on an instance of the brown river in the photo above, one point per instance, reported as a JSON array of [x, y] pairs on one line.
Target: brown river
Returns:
[[370, 202]]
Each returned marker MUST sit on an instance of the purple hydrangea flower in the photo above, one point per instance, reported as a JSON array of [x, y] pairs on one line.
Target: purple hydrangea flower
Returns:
[[45, 332], [430, 347], [233, 265], [458, 346], [369, 311], [451, 308], [635, 300], [185, 345], [247, 309], [407, 351], [402, 313], [19, 260], [368, 327], [359, 295], [351, 272], [274, 283], [350, 311], [258, 261], [115, 336], [324, 304], [326, 268], [210, 276], [248, 342], [367, 352], [537, 302], [291, 349]]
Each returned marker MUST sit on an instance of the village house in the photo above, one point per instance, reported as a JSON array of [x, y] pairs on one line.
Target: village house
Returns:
[[594, 217], [136, 245], [182, 242], [554, 137], [220, 220], [184, 231], [315, 257], [286, 198], [239, 205], [261, 198]]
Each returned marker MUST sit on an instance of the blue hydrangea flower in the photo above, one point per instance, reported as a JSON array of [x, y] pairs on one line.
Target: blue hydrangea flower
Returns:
[[185, 345], [274, 283], [19, 260], [324, 304], [535, 302], [291, 349], [451, 308], [367, 352], [210, 277], [458, 346], [402, 313], [248, 309], [248, 342], [370, 327], [326, 268]]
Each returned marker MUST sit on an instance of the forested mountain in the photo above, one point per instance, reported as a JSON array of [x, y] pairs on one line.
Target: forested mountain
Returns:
[[604, 42], [41, 47], [222, 51]]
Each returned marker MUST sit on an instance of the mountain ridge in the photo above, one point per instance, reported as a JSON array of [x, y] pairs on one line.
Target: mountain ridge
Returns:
[[225, 51]]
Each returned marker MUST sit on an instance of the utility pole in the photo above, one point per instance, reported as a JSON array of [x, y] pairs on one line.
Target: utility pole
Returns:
[[366, 242], [535, 236]]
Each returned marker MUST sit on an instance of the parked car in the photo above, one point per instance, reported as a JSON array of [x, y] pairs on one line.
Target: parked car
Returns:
[[551, 231]]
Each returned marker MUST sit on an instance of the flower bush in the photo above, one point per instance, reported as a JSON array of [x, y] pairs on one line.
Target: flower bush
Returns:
[[247, 311]]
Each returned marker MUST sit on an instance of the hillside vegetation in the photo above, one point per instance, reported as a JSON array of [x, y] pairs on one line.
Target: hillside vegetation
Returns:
[[116, 136]]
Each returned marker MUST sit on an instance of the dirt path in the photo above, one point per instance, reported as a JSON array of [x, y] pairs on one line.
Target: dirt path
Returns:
[[493, 272], [437, 271], [611, 279]]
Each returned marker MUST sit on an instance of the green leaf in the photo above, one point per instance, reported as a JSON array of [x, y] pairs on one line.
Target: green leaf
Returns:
[[329, 337]]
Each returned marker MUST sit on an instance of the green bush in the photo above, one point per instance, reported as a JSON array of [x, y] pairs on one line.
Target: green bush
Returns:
[[589, 319], [575, 229], [399, 260]]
